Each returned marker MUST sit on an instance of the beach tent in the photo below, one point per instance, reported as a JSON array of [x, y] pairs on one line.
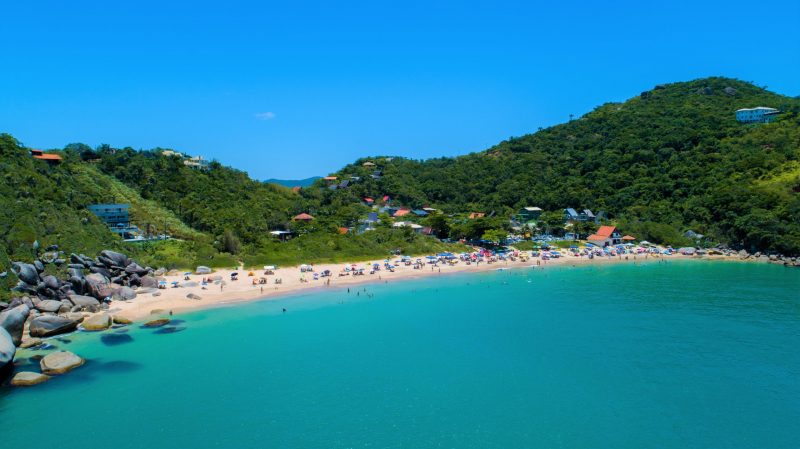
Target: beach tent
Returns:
[[269, 267]]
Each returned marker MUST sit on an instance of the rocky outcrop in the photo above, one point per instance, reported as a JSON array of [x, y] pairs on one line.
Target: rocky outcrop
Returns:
[[84, 301], [7, 351], [13, 321], [194, 296], [157, 323], [49, 325], [121, 320], [124, 294], [99, 322], [28, 378], [49, 305], [60, 362], [107, 273], [98, 286]]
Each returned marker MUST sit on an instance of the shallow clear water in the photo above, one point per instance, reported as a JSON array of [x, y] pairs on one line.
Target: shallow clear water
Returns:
[[676, 355]]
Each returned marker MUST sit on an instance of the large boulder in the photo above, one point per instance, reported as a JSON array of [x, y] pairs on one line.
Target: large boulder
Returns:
[[124, 294], [7, 351], [122, 320], [99, 322], [51, 281], [157, 322], [28, 378], [59, 362], [148, 282], [98, 286], [13, 321], [26, 272], [49, 325], [202, 270], [119, 259], [49, 305], [135, 268], [84, 301]]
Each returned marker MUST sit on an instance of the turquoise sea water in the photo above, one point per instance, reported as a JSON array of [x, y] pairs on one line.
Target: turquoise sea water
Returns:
[[676, 355]]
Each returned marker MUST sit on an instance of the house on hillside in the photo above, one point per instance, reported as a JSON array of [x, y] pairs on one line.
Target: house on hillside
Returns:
[[50, 158], [760, 114], [368, 164], [474, 215], [571, 214], [401, 212], [606, 236], [282, 235], [420, 212], [303, 217], [529, 213], [197, 162], [407, 224]]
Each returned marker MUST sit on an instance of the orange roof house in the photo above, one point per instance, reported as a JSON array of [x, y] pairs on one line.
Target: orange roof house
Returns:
[[296, 189], [605, 236], [302, 217], [402, 212], [473, 215], [50, 158]]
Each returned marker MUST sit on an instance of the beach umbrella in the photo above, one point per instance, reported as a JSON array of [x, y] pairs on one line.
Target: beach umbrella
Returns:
[[187, 273], [234, 274]]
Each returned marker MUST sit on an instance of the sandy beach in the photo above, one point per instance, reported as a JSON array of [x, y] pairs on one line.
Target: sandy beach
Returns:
[[243, 290]]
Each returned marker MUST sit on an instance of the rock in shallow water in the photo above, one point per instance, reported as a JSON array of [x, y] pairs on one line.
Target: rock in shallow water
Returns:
[[156, 323], [49, 325], [28, 378], [170, 330], [60, 362], [118, 319], [115, 339], [99, 322]]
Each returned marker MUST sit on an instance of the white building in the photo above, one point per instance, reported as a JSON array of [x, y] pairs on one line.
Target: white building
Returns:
[[760, 114]]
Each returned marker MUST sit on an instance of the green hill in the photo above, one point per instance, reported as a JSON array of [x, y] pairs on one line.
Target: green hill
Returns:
[[218, 216], [671, 159]]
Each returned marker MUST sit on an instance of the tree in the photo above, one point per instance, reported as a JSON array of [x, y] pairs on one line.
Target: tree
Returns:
[[495, 235], [439, 225], [552, 221], [583, 228]]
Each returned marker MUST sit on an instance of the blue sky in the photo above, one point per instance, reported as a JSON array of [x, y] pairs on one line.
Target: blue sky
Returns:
[[295, 89]]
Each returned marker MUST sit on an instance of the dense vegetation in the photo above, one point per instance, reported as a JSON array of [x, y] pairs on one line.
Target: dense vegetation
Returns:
[[669, 160], [219, 216]]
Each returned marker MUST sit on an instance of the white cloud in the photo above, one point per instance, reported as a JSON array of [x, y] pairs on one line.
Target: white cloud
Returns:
[[269, 115]]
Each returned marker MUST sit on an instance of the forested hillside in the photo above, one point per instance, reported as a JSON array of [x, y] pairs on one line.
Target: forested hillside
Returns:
[[671, 159], [216, 217]]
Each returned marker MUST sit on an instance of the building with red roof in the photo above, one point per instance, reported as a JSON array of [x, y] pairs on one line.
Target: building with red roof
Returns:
[[606, 236], [302, 217], [402, 212], [50, 158]]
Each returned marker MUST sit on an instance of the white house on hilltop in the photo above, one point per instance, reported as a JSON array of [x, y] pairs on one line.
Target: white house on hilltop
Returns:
[[760, 114]]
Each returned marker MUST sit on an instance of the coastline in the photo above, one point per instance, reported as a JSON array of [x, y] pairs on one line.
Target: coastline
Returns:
[[175, 300]]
